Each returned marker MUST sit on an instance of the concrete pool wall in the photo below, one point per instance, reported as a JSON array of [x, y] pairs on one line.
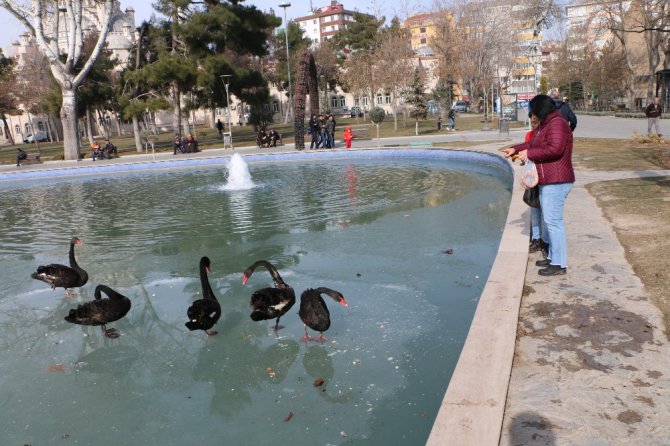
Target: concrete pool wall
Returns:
[[472, 410]]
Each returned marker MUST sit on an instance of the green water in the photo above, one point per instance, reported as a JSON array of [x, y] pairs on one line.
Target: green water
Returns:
[[376, 231]]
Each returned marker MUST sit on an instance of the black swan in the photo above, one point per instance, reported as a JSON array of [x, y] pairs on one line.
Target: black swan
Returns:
[[205, 312], [270, 303], [101, 311], [61, 276], [314, 312]]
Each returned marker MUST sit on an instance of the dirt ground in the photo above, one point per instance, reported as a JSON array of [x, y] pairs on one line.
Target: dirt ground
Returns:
[[639, 209]]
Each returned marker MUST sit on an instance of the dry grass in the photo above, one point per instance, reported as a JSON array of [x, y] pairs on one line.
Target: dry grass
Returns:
[[620, 154], [638, 209]]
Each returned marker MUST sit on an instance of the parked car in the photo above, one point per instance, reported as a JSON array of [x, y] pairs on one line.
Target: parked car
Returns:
[[356, 112], [460, 106], [40, 136]]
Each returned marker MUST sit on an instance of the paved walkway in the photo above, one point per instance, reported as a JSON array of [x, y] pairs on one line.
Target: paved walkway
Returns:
[[592, 363]]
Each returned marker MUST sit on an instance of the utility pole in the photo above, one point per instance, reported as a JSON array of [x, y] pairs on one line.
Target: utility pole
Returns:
[[285, 5]]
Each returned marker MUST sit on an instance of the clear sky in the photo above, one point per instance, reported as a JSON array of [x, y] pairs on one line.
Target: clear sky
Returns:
[[10, 28]]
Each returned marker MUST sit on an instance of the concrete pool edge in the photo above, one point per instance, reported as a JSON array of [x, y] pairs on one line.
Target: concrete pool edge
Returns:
[[472, 410], [473, 407]]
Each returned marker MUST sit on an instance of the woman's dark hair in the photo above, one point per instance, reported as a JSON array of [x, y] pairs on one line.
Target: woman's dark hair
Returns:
[[541, 106]]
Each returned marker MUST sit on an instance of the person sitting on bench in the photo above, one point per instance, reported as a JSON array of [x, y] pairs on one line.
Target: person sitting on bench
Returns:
[[273, 137], [191, 144], [109, 149], [262, 140], [96, 151], [20, 156]]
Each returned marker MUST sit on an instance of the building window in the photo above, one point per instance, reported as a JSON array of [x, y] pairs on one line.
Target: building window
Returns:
[[333, 101], [422, 29], [366, 102], [387, 99], [275, 106], [17, 129], [357, 101], [27, 127], [380, 99], [423, 40], [343, 101], [40, 126]]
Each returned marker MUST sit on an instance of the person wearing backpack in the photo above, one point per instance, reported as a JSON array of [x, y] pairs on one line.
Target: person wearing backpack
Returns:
[[564, 108]]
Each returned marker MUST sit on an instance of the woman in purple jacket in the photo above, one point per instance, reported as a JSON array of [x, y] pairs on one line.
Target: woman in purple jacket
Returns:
[[551, 150]]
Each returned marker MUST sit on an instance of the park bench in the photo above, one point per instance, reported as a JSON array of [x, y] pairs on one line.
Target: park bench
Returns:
[[33, 158], [361, 133]]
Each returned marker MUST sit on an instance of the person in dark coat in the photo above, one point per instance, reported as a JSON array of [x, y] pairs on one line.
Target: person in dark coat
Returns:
[[551, 151], [653, 114], [564, 108]]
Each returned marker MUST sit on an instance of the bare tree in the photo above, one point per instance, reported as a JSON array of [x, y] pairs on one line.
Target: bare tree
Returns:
[[46, 19], [394, 69]]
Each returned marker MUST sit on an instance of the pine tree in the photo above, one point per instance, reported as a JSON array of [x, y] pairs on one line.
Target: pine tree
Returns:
[[416, 98]]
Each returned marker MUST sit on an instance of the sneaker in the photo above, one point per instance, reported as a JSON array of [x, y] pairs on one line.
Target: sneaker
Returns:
[[535, 245], [552, 270], [543, 262]]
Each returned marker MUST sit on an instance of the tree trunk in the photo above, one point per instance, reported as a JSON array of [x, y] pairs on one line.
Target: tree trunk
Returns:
[[176, 112], [68, 116], [7, 131], [395, 113], [119, 132], [89, 124], [137, 134]]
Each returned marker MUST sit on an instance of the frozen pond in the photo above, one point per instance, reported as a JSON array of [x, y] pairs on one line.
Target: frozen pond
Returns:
[[409, 240]]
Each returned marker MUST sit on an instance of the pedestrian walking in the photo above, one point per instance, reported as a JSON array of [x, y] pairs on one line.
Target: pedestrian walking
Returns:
[[219, 128], [653, 114]]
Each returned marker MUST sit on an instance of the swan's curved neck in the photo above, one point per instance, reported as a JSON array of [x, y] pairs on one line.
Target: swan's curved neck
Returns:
[[207, 292]]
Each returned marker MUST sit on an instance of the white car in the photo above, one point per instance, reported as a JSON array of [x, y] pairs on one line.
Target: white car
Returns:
[[460, 106], [40, 136]]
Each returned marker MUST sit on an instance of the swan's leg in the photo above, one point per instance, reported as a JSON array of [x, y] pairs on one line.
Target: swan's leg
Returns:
[[305, 338], [110, 333], [277, 326], [322, 338], [69, 294]]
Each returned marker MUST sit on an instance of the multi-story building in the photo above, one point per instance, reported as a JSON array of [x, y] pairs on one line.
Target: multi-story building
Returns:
[[422, 28], [323, 23]]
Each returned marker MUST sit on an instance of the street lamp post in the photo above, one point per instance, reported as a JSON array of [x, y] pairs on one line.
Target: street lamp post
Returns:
[[285, 5], [225, 78]]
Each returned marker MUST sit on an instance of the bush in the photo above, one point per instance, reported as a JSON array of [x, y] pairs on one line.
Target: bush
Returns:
[[377, 115]]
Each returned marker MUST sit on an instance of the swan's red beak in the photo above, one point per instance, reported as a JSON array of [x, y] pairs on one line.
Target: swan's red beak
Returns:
[[244, 280], [209, 269], [344, 303]]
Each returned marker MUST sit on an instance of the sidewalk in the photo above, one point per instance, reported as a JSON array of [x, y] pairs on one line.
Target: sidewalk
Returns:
[[592, 363]]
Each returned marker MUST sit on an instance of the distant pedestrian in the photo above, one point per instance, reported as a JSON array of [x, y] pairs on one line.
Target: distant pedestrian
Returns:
[[564, 108], [653, 114], [439, 122], [330, 131], [219, 128], [314, 129], [452, 119]]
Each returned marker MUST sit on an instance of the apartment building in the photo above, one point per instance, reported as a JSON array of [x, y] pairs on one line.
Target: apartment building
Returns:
[[323, 23]]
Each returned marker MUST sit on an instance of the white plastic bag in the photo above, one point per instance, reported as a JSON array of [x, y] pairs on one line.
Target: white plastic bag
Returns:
[[529, 176]]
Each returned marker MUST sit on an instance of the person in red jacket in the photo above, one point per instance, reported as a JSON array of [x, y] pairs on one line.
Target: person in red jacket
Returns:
[[348, 135], [551, 150]]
